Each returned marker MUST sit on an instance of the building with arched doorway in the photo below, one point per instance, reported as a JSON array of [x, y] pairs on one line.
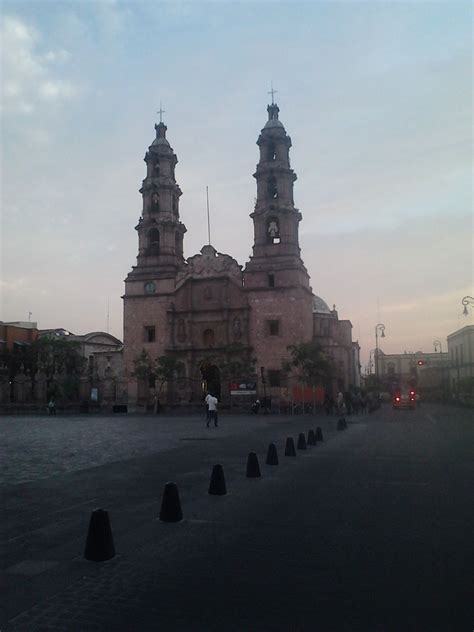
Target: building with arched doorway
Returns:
[[213, 315]]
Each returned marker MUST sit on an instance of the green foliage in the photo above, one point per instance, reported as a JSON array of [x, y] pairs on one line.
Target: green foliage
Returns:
[[57, 355], [237, 362], [50, 355], [163, 369], [309, 363], [167, 368], [143, 366]]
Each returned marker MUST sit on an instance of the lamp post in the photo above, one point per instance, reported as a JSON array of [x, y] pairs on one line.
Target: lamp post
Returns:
[[436, 344], [380, 327], [371, 360], [467, 300]]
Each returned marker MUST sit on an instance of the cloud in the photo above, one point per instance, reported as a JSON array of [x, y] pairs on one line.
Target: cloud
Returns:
[[54, 90], [30, 77], [19, 285]]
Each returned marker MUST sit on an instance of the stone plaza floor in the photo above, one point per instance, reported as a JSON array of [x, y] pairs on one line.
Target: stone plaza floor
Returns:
[[362, 533], [35, 447]]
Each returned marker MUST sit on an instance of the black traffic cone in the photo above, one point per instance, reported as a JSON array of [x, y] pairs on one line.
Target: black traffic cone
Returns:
[[253, 468], [171, 505], [99, 543], [290, 447], [217, 485], [301, 445], [272, 456], [341, 424], [311, 438], [319, 434]]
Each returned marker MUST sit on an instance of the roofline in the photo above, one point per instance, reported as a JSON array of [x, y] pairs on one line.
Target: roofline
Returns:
[[458, 331]]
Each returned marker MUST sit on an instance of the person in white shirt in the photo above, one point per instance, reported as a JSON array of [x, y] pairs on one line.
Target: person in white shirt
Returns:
[[211, 402]]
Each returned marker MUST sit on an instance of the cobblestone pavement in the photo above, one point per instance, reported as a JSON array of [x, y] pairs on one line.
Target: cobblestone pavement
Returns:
[[35, 447], [363, 533]]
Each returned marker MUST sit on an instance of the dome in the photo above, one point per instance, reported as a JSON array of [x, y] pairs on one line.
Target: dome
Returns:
[[160, 141], [320, 306], [273, 123], [160, 135]]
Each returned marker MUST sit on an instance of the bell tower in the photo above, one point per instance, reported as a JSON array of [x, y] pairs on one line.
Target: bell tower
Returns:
[[160, 232], [276, 280], [275, 218], [152, 280]]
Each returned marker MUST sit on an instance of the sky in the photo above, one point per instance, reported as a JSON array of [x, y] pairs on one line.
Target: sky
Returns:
[[377, 99]]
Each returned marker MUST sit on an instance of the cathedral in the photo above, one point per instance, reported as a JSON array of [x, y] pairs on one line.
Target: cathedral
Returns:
[[201, 309]]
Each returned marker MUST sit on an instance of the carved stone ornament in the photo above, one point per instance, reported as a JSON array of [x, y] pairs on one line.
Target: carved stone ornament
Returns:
[[211, 263]]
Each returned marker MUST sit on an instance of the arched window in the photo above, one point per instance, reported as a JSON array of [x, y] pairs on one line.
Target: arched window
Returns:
[[272, 188], [155, 203], [208, 337], [153, 241], [271, 152]]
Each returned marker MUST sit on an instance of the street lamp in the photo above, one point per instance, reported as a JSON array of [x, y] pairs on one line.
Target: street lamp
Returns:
[[436, 344], [380, 327], [371, 360], [467, 300]]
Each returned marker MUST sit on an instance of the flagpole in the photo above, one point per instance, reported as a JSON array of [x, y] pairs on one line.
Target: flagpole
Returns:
[[208, 216]]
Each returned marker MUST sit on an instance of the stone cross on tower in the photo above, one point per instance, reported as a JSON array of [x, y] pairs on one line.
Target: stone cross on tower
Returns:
[[161, 112], [273, 92]]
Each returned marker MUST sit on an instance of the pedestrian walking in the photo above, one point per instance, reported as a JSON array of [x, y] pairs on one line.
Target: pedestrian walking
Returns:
[[256, 407], [328, 403], [340, 403], [211, 403], [52, 407]]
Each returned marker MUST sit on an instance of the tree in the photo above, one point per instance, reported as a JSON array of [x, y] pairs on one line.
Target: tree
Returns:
[[57, 355], [167, 369], [144, 368], [237, 362], [309, 362], [162, 369]]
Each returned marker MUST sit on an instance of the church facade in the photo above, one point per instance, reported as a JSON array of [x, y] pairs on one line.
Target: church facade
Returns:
[[202, 309]]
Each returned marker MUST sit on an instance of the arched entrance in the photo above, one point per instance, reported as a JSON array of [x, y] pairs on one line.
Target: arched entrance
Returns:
[[211, 380]]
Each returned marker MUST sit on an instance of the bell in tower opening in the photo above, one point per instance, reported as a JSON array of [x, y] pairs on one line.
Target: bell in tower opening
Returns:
[[273, 231]]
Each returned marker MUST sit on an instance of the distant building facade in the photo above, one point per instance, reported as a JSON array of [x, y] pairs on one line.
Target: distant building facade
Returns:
[[16, 335], [461, 358], [197, 309], [24, 380], [423, 370], [15, 340]]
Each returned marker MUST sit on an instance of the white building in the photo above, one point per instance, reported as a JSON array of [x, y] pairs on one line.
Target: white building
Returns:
[[461, 357]]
